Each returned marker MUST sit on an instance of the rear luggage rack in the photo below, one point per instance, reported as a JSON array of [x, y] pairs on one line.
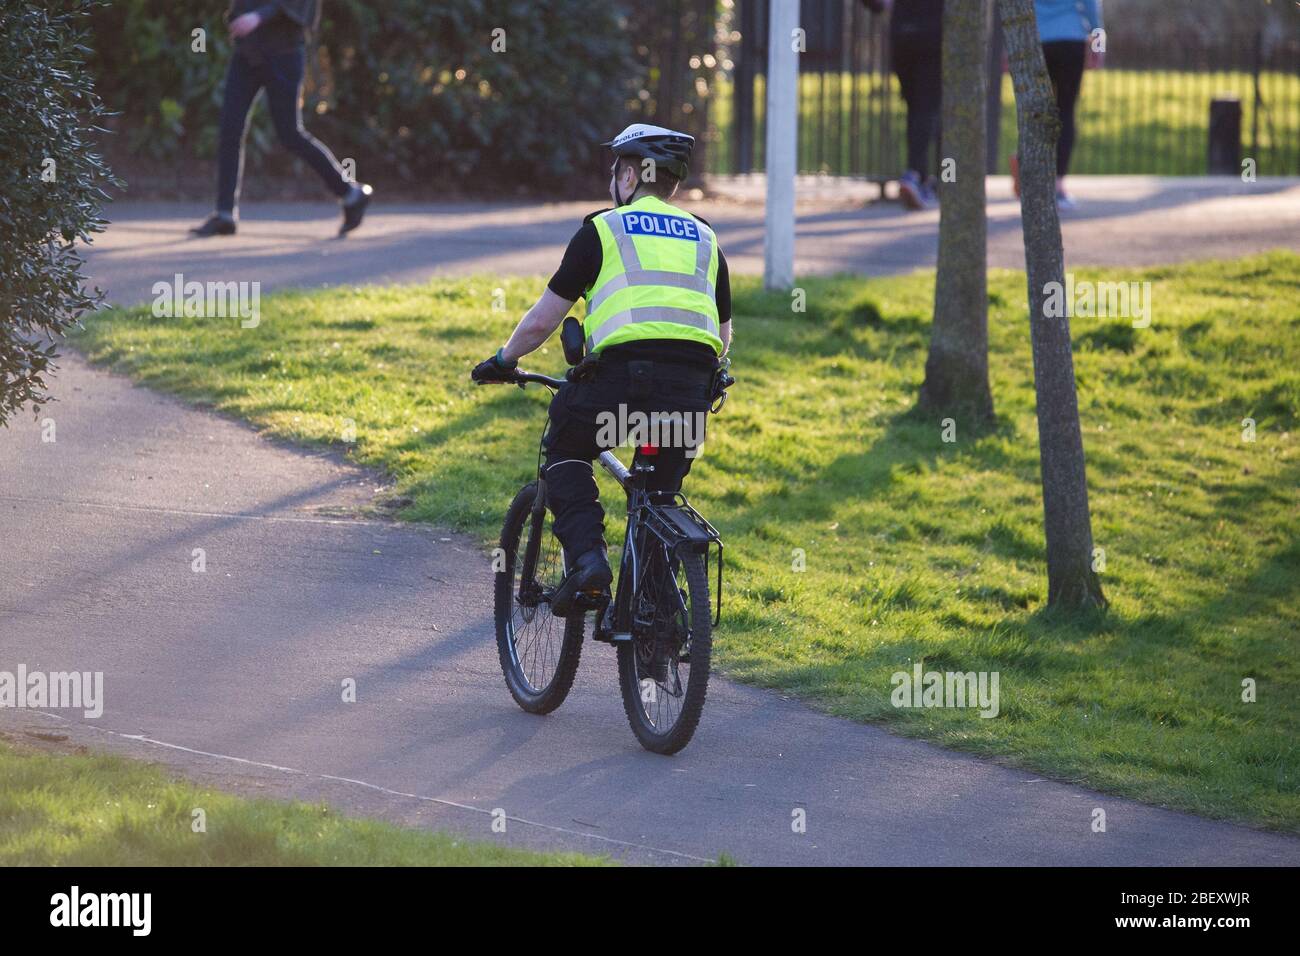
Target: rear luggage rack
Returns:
[[683, 529]]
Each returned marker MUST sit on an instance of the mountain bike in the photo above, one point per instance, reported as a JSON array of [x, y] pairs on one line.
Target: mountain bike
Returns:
[[660, 617]]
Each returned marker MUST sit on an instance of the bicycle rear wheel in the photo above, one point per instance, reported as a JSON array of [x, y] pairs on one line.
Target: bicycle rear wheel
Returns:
[[539, 652], [664, 670]]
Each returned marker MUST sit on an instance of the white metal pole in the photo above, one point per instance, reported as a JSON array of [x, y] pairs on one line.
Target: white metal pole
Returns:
[[782, 132]]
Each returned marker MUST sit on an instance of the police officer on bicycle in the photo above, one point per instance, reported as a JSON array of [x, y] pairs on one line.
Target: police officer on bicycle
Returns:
[[658, 321]]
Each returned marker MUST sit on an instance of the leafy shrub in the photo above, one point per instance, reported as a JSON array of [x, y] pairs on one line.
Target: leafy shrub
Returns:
[[145, 68], [51, 187]]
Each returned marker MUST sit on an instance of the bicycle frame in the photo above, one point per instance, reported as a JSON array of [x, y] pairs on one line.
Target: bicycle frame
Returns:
[[676, 527]]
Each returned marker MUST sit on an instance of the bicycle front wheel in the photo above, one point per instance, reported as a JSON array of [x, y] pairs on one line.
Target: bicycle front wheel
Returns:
[[664, 669], [539, 652]]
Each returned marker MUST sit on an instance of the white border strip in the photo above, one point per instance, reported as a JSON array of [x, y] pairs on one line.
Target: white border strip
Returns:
[[141, 738]]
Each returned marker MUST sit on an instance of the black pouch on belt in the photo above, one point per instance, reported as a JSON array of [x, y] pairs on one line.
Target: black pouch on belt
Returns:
[[641, 377]]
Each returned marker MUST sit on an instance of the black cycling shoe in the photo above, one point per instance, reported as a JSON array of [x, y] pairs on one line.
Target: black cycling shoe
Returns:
[[355, 211], [215, 226], [590, 577]]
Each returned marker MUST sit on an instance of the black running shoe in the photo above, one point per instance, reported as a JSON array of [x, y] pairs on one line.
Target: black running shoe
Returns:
[[215, 226], [355, 211]]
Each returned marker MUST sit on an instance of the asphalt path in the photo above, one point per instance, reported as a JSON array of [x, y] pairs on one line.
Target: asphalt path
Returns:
[[233, 675], [1120, 221]]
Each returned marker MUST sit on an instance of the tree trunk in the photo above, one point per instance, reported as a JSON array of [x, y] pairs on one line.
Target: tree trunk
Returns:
[[993, 96], [1071, 582], [957, 369]]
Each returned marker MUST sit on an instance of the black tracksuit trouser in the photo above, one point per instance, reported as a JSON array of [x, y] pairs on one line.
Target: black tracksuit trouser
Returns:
[[280, 74]]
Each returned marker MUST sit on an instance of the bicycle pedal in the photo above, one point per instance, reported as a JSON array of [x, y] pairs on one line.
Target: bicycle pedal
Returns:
[[590, 600]]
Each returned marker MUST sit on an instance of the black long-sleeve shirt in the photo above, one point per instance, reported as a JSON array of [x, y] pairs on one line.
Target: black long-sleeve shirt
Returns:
[[285, 24], [912, 18]]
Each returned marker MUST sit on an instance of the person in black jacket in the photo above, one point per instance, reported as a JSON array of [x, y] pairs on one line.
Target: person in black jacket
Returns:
[[270, 53], [915, 45]]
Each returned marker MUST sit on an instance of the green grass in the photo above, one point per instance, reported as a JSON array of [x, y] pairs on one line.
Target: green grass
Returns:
[[1132, 122], [916, 550], [83, 810]]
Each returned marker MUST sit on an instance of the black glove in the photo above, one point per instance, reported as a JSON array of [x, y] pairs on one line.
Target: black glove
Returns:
[[584, 370], [495, 369]]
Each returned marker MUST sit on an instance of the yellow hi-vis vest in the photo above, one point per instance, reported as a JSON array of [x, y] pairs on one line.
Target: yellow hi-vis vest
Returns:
[[659, 266]]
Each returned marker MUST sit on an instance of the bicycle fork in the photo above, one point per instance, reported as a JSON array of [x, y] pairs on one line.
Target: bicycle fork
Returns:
[[530, 592]]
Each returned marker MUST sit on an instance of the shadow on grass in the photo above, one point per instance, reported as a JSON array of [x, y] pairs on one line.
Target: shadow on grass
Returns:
[[912, 444]]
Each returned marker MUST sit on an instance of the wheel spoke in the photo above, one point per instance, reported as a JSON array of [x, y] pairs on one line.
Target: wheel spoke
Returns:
[[536, 632], [664, 708]]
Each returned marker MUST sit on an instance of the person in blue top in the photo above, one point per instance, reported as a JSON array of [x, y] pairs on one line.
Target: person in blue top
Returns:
[[1069, 31]]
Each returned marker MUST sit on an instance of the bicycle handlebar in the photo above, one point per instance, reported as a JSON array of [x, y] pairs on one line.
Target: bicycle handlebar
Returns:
[[521, 378]]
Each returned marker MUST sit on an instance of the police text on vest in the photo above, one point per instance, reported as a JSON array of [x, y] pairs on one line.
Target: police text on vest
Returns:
[[657, 224]]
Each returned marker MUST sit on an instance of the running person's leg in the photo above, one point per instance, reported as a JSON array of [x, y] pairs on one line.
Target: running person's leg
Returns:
[[1065, 62], [284, 79], [923, 113], [240, 89], [918, 68], [928, 135], [284, 97]]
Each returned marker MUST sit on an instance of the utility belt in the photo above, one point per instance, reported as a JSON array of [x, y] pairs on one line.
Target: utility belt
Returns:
[[642, 361], [677, 354]]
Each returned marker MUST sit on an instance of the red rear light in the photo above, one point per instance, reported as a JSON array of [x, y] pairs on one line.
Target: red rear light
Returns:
[[648, 450]]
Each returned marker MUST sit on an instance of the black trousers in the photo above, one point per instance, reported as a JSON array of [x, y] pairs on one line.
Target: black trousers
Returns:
[[918, 63], [1065, 60], [585, 420], [280, 74]]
